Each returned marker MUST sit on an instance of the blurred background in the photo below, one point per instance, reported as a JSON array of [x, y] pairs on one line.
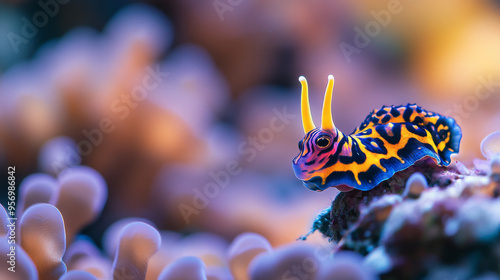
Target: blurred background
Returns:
[[190, 109]]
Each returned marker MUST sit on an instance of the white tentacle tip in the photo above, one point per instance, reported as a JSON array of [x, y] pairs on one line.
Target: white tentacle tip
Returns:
[[330, 77], [302, 78]]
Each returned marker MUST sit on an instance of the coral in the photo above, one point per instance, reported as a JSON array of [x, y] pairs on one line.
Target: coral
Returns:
[[4, 219], [36, 188], [491, 144], [139, 250], [57, 154], [189, 268], [345, 209], [427, 223], [346, 265], [44, 239], [25, 267], [111, 236], [363, 236], [104, 204], [81, 197], [138, 242], [78, 275], [287, 262], [244, 248]]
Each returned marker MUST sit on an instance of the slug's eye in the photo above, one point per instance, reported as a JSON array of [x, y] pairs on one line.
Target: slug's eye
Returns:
[[301, 145], [323, 141]]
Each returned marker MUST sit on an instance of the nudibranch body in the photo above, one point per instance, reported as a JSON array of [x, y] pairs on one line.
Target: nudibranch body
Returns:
[[389, 140]]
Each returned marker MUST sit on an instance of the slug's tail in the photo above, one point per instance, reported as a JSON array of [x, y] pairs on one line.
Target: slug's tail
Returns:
[[447, 137]]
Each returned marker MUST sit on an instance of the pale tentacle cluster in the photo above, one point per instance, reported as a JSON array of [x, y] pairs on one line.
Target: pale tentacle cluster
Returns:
[[135, 249]]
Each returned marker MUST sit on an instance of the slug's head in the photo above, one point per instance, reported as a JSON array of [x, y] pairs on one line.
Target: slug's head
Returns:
[[318, 144]]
